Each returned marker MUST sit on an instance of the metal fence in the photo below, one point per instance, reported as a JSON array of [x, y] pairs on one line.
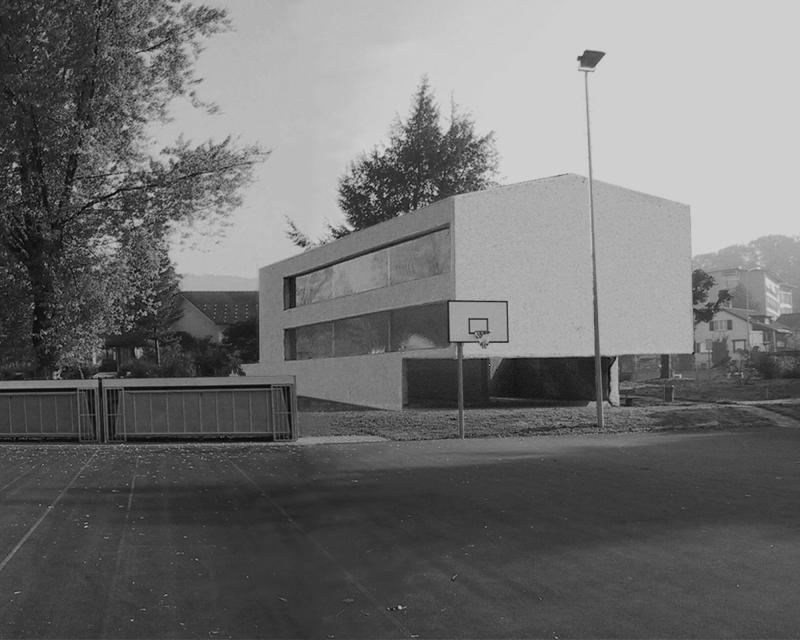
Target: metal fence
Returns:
[[49, 409], [117, 410]]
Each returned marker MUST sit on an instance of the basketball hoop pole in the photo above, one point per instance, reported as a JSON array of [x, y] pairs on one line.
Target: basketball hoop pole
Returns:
[[460, 348]]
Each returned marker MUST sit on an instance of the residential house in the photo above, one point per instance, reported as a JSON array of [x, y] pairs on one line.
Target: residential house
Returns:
[[205, 314], [737, 331], [364, 319]]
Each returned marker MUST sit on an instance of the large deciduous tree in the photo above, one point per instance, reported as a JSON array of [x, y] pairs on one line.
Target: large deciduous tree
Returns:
[[423, 162], [81, 83]]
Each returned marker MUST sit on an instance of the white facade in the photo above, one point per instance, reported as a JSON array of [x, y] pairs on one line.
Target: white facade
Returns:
[[731, 326], [527, 243], [755, 289]]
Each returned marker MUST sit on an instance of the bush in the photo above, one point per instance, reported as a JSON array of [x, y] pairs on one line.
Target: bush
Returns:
[[139, 369], [768, 366]]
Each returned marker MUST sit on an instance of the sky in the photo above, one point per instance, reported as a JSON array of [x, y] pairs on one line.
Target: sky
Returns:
[[695, 101]]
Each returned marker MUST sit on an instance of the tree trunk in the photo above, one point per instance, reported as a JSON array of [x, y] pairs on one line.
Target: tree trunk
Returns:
[[43, 291]]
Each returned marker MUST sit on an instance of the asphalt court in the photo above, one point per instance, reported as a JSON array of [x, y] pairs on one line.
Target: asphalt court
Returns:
[[640, 535]]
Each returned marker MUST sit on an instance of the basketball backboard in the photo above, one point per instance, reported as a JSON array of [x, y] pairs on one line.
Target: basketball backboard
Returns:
[[476, 320]]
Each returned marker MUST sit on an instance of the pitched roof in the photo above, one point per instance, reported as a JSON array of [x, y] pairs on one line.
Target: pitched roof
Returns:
[[791, 320], [777, 327], [742, 314], [225, 307]]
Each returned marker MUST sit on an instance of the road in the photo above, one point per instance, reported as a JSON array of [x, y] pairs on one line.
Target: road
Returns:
[[613, 536]]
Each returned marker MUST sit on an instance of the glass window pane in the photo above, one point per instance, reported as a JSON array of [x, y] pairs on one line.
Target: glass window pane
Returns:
[[361, 335], [314, 341], [314, 286], [361, 274], [423, 327], [421, 258]]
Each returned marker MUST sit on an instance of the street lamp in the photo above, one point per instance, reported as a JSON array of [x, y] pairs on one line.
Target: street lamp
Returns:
[[588, 61]]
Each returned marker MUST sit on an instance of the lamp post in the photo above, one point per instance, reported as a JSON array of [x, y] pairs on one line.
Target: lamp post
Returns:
[[588, 61]]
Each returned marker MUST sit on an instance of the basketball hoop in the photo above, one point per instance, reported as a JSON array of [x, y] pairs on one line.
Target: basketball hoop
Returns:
[[482, 337]]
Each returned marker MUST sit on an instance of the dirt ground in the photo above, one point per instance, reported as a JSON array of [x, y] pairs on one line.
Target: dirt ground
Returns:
[[708, 402], [714, 386], [531, 421]]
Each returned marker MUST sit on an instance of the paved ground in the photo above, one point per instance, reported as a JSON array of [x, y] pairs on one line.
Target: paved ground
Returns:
[[636, 535]]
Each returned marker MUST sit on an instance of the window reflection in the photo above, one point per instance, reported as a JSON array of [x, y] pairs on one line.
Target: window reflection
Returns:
[[361, 274], [423, 327], [420, 327], [314, 341], [422, 257], [314, 286], [361, 335]]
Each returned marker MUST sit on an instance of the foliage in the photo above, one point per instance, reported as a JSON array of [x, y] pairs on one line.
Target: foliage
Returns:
[[702, 309], [184, 356], [767, 366], [81, 83], [242, 339], [422, 163], [776, 365], [175, 362]]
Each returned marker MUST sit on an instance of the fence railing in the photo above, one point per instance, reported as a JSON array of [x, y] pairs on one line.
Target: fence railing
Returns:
[[49, 409], [117, 410]]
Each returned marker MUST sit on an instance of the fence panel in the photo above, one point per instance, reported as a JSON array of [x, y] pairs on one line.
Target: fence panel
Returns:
[[231, 407], [49, 409]]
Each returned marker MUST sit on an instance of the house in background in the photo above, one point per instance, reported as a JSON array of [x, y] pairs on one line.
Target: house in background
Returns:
[[363, 320], [205, 314], [757, 290], [733, 331], [201, 314]]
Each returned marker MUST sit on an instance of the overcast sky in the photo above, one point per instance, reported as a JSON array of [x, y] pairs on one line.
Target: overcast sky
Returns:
[[695, 101]]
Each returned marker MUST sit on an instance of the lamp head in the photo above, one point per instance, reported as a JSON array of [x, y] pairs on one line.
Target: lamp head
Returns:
[[588, 61]]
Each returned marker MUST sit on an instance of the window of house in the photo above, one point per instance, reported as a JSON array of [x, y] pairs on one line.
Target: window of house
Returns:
[[421, 257], [739, 345], [409, 328], [721, 325]]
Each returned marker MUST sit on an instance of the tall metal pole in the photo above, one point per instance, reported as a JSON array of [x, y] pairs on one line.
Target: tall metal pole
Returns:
[[460, 348], [598, 365]]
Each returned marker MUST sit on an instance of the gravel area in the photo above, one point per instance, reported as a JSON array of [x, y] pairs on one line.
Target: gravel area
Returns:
[[530, 421]]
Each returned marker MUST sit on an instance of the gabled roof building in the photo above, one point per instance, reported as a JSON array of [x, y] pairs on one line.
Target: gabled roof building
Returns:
[[205, 314]]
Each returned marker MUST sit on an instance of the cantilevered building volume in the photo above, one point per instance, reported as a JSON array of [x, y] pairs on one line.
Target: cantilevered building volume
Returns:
[[363, 320]]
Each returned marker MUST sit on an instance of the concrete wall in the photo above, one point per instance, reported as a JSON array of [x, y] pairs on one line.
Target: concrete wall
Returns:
[[375, 380], [529, 244]]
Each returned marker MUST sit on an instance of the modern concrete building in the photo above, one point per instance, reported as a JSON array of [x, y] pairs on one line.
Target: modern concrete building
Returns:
[[363, 320]]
